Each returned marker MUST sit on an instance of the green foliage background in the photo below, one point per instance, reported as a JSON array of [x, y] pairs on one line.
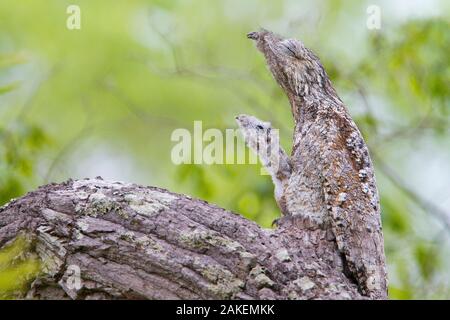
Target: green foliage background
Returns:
[[105, 99]]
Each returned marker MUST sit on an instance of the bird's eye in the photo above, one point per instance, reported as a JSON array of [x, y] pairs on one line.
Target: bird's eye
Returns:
[[259, 127], [291, 52], [290, 47]]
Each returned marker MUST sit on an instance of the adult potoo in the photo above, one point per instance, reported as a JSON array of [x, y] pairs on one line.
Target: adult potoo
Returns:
[[332, 184]]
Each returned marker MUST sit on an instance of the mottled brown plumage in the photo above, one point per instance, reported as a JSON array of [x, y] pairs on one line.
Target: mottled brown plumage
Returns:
[[332, 185]]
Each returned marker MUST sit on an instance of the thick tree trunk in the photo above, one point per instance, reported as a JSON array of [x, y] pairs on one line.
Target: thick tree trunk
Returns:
[[102, 240]]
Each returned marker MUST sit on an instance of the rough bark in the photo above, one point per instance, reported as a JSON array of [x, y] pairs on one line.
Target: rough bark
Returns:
[[134, 242]]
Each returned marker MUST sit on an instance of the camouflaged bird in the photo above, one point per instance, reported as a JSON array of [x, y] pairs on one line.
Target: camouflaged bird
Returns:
[[264, 141], [332, 184]]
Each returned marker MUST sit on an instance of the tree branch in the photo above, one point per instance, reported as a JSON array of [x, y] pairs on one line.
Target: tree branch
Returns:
[[103, 240]]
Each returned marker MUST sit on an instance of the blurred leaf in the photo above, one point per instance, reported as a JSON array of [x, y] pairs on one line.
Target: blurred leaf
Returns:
[[9, 87], [18, 267], [427, 258], [394, 216], [249, 205], [397, 293]]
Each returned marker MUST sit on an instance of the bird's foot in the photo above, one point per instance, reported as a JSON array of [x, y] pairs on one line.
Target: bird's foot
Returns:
[[275, 222], [282, 220]]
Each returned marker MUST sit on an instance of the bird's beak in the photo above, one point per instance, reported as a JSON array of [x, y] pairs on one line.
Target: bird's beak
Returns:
[[254, 35], [240, 119]]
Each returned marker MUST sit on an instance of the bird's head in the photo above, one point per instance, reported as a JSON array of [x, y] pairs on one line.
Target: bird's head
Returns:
[[247, 122], [257, 133], [296, 68]]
